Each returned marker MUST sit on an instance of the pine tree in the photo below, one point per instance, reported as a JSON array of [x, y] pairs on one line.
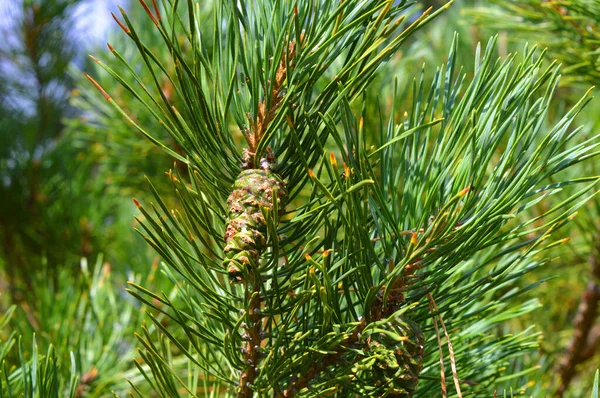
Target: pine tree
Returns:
[[323, 249], [35, 54], [58, 203]]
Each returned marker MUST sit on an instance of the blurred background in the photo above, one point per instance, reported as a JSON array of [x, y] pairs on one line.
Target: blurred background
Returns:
[[69, 167]]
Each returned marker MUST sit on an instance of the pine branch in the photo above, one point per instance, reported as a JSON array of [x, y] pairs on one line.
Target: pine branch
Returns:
[[585, 336], [252, 349], [69, 346], [299, 383], [567, 28]]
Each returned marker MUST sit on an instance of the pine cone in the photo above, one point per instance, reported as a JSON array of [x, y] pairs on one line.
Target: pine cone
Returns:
[[245, 236], [393, 359]]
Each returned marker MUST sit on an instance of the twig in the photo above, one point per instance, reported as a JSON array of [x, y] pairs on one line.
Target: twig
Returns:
[[583, 341], [265, 115], [259, 123], [251, 350], [591, 343], [379, 310]]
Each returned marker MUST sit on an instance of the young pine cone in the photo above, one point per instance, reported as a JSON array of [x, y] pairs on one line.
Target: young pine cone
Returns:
[[245, 236], [393, 360]]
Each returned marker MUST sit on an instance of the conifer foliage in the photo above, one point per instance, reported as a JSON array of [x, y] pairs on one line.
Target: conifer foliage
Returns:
[[318, 255], [567, 28]]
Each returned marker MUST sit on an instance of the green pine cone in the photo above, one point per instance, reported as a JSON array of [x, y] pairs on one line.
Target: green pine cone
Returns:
[[392, 360], [245, 236], [399, 368]]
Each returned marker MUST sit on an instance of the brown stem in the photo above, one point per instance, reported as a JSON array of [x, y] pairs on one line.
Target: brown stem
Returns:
[[253, 339], [591, 344], [582, 343], [258, 127]]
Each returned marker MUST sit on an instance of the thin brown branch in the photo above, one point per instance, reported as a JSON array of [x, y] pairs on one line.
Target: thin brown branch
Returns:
[[582, 342], [592, 344], [253, 340]]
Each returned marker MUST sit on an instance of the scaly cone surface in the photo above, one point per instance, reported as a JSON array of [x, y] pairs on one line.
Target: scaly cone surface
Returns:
[[399, 357], [245, 236], [390, 360]]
